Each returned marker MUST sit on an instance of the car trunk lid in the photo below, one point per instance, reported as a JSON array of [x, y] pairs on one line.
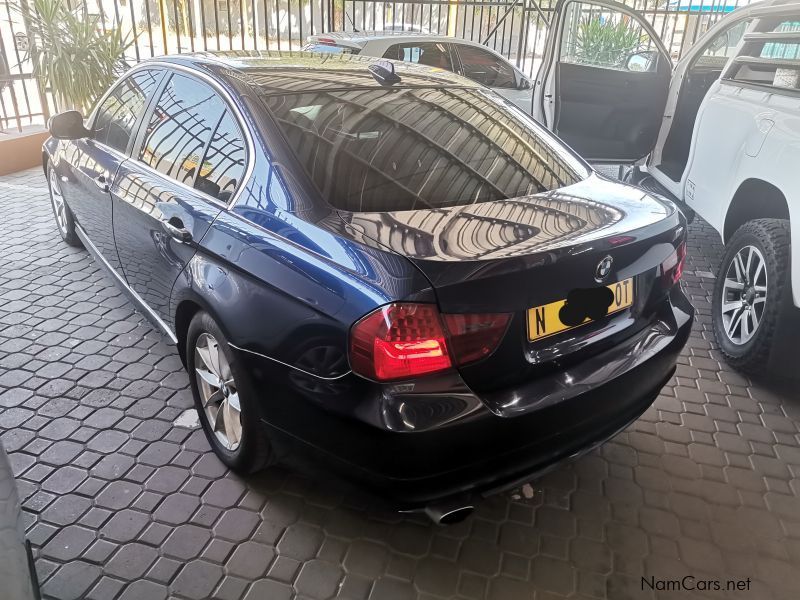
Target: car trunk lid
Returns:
[[516, 254]]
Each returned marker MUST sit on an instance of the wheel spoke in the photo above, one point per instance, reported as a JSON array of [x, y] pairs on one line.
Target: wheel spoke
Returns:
[[739, 266], [232, 426], [759, 269], [734, 322], [745, 325], [731, 306], [209, 377], [749, 261], [730, 284], [754, 318], [224, 367], [205, 356], [219, 419], [214, 399]]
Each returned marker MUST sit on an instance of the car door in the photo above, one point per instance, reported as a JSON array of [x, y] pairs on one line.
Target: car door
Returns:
[[603, 83], [694, 75], [94, 161], [189, 159], [493, 71]]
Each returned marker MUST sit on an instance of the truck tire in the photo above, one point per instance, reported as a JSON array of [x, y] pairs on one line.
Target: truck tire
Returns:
[[750, 293]]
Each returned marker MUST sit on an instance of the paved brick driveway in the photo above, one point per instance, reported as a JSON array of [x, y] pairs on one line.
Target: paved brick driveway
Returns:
[[122, 503]]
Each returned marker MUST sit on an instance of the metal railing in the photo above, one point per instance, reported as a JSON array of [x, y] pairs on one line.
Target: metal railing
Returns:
[[515, 28]]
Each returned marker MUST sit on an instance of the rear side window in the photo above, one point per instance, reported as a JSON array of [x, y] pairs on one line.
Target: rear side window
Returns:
[[186, 115], [378, 149], [117, 115], [428, 54], [485, 68], [770, 55], [224, 162]]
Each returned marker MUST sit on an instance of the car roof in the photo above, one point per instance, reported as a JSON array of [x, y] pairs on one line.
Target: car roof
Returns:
[[360, 38], [297, 72]]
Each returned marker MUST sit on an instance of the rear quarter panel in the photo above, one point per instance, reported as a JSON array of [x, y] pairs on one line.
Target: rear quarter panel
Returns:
[[277, 282], [733, 142]]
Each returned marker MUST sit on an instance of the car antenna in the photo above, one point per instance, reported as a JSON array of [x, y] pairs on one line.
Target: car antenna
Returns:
[[349, 18], [383, 72]]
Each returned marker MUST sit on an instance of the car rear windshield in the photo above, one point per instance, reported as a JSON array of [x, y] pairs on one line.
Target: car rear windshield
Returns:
[[378, 149]]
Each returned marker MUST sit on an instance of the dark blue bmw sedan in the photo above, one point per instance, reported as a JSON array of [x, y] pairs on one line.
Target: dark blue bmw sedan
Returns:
[[381, 271]]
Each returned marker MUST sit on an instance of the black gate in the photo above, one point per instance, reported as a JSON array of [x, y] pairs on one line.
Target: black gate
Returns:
[[515, 28]]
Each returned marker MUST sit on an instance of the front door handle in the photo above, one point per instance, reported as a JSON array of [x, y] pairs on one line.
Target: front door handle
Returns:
[[174, 227], [101, 182]]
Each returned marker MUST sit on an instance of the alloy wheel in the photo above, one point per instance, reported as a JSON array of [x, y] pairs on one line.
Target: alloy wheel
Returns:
[[59, 207], [744, 295], [218, 391]]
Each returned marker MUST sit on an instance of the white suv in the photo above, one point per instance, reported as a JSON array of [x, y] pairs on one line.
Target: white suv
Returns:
[[720, 132]]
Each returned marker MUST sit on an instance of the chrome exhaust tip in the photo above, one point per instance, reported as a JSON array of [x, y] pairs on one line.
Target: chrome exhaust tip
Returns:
[[449, 515]]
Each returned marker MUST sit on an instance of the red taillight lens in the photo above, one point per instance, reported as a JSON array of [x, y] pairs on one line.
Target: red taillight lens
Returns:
[[399, 341], [406, 339], [473, 337], [672, 268]]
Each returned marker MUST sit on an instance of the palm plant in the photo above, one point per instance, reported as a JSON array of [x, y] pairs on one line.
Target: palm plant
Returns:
[[70, 52], [606, 41]]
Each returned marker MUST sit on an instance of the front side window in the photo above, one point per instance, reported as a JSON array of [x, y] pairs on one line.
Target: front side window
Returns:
[[377, 149], [117, 115], [598, 36], [429, 54], [186, 115], [485, 68]]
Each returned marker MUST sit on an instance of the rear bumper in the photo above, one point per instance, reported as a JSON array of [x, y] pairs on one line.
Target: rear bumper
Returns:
[[489, 450]]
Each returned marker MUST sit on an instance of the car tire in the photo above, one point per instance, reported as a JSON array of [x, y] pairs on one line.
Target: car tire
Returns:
[[746, 344], [240, 444], [65, 222]]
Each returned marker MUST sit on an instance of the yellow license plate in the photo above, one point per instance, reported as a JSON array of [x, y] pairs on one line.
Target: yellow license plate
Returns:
[[544, 321]]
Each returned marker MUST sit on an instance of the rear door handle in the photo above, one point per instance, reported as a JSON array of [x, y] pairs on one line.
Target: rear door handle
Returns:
[[174, 227], [101, 182]]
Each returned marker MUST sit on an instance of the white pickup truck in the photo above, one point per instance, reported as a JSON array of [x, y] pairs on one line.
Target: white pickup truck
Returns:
[[720, 132]]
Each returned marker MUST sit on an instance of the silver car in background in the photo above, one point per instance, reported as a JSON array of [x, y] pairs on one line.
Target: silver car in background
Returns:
[[464, 57]]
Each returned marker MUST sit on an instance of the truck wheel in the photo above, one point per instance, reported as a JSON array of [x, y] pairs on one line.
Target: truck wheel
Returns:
[[749, 292], [224, 398]]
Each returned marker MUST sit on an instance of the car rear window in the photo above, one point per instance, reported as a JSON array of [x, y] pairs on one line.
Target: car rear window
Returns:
[[378, 149]]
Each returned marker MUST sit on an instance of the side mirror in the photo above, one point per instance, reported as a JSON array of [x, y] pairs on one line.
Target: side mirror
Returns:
[[68, 125], [643, 61], [524, 83]]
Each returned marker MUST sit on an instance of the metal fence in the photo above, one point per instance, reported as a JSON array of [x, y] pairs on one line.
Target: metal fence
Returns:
[[515, 28]]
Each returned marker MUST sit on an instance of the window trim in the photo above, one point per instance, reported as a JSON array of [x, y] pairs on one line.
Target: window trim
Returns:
[[227, 99]]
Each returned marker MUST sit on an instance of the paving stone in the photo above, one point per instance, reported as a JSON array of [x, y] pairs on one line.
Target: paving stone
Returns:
[[250, 560], [119, 503], [131, 561], [197, 579]]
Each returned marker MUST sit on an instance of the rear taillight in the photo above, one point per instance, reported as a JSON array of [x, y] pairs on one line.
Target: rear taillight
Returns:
[[672, 267], [475, 336], [405, 339]]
